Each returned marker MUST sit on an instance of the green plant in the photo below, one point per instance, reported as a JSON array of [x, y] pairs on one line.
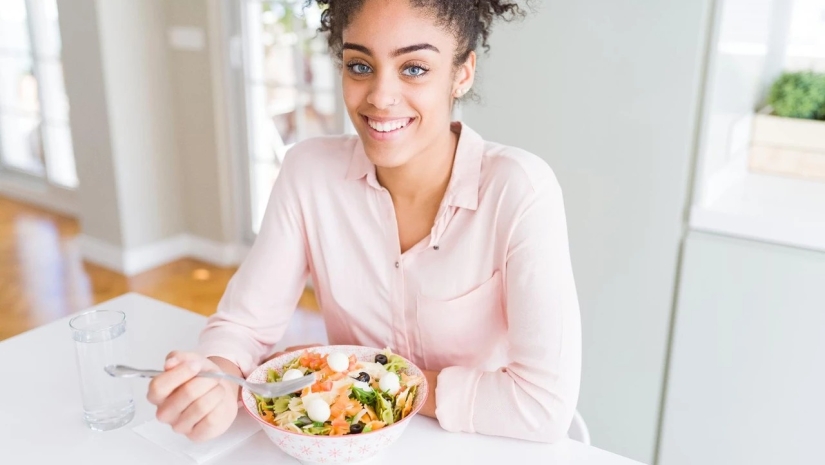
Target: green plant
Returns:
[[799, 95]]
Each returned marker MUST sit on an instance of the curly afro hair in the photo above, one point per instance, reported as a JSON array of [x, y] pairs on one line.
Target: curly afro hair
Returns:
[[470, 20]]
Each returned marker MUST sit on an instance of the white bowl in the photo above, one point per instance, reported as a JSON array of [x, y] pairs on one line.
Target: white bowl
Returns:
[[350, 448]]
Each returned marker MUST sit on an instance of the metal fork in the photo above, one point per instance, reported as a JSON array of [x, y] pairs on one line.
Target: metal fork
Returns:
[[267, 390]]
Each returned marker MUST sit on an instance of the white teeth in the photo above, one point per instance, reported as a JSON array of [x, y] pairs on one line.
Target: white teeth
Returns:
[[389, 125]]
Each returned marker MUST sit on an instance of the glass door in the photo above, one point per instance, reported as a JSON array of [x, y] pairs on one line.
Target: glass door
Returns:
[[288, 89], [35, 139]]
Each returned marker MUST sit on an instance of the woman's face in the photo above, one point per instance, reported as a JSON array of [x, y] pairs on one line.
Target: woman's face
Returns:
[[399, 80]]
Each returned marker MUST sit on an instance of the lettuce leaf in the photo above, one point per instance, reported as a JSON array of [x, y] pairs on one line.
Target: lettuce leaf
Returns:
[[384, 409], [365, 397], [396, 364]]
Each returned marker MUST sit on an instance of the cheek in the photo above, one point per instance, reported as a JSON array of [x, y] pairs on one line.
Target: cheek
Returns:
[[354, 94], [432, 102]]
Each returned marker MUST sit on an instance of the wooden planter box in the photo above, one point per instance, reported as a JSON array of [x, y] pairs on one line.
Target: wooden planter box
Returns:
[[787, 146]]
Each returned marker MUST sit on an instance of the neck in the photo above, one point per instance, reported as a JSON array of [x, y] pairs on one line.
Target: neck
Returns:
[[426, 175]]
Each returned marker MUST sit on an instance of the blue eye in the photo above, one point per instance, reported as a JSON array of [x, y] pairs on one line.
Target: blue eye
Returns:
[[415, 71], [359, 68]]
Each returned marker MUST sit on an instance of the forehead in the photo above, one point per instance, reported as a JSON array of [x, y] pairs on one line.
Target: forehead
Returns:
[[386, 25]]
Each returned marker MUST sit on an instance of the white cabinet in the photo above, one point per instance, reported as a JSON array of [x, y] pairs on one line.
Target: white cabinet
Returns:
[[746, 381]]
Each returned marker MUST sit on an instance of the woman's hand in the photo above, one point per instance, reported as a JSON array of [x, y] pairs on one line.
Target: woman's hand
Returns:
[[290, 349], [429, 407], [199, 408]]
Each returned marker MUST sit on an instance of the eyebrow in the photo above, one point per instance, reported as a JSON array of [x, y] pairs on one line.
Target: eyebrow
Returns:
[[394, 54]]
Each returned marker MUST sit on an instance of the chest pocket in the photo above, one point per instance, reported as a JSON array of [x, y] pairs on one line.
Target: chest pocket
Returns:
[[462, 331]]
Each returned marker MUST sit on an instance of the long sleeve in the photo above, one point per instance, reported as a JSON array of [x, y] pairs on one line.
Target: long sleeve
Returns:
[[259, 300], [534, 397]]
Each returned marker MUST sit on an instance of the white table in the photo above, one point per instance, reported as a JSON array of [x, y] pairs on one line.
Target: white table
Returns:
[[41, 423]]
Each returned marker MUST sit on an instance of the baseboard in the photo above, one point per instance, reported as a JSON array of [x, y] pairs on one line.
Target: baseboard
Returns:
[[139, 259], [216, 253]]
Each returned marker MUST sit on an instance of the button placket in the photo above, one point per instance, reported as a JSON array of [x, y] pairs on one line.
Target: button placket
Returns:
[[397, 303]]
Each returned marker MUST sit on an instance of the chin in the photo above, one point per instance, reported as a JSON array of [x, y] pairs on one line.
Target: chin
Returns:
[[386, 157]]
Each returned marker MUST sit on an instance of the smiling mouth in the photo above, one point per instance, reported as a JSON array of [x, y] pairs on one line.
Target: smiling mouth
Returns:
[[388, 126]]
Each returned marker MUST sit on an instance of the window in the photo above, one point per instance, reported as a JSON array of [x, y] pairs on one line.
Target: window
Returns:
[[806, 37], [751, 178], [34, 112], [290, 85]]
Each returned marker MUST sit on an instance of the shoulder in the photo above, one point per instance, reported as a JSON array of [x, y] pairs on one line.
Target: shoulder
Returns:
[[518, 171]]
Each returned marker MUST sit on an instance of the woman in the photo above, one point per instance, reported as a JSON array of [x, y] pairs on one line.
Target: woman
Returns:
[[419, 236]]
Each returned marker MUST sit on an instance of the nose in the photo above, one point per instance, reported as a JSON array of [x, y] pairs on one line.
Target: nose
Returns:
[[384, 92]]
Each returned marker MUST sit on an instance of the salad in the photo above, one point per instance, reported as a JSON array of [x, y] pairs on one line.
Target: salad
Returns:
[[348, 397]]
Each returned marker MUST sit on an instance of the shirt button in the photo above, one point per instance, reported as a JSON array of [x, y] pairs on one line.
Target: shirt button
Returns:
[[397, 264]]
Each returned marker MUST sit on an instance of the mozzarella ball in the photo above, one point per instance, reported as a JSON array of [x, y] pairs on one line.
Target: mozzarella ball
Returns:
[[317, 410], [390, 383], [291, 374], [338, 362]]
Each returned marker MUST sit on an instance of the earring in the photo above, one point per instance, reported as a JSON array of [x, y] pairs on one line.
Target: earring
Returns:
[[460, 92]]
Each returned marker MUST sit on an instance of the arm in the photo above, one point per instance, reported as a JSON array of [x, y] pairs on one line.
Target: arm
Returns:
[[252, 316], [534, 397], [259, 300]]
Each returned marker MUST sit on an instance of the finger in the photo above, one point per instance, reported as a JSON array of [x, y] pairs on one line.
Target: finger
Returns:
[[304, 346], [212, 425], [175, 358], [198, 409], [164, 384], [170, 410]]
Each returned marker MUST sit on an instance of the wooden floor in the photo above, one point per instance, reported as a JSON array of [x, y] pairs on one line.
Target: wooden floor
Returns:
[[43, 278]]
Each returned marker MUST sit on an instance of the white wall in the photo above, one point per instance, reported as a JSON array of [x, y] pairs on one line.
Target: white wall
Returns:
[[193, 82], [98, 209], [607, 92], [141, 117], [149, 141]]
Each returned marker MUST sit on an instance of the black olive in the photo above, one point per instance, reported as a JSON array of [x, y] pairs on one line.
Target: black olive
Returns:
[[356, 428], [381, 358], [364, 377]]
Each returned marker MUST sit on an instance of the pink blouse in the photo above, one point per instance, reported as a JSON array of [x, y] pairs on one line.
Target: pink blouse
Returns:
[[488, 298]]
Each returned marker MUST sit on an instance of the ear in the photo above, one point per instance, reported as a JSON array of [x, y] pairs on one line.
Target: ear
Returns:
[[465, 76]]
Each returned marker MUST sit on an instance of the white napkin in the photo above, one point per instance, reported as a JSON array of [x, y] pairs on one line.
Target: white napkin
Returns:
[[201, 452]]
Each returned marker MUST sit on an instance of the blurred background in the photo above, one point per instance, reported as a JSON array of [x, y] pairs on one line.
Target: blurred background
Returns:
[[139, 140]]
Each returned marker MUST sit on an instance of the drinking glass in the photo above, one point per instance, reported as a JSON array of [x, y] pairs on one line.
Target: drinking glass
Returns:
[[100, 341]]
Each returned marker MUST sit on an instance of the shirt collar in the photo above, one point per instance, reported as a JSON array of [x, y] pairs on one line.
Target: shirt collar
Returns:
[[360, 166], [463, 189]]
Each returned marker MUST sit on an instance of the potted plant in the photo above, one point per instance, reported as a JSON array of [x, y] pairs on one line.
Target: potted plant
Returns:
[[789, 134]]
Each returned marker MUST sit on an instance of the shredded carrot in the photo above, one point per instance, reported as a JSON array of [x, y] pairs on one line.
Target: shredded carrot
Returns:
[[343, 405]]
